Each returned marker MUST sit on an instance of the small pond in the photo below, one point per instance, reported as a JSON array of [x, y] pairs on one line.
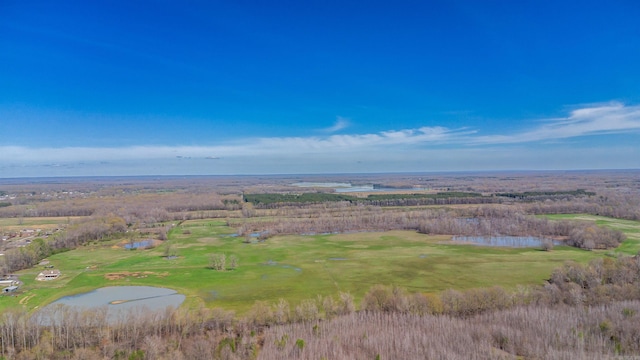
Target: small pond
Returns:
[[123, 298], [503, 241], [139, 244]]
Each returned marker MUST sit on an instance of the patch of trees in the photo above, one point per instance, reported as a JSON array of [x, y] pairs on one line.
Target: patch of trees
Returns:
[[440, 195], [501, 222], [66, 333], [219, 262], [5, 204], [543, 195], [481, 221], [48, 209], [133, 207], [441, 198], [27, 256], [594, 237], [599, 282], [76, 234], [530, 332], [617, 204], [267, 199]]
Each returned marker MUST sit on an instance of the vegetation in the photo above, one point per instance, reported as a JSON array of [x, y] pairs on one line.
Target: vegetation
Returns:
[[546, 194], [294, 266], [331, 275], [555, 321], [317, 197], [295, 198], [532, 332]]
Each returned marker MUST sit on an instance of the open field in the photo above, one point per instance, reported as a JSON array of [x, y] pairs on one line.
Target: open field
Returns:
[[16, 224], [296, 267]]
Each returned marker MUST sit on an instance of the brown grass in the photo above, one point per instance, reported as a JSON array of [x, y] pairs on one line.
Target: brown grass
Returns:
[[136, 274]]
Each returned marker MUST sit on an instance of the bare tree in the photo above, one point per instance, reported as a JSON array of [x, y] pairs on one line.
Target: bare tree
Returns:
[[217, 262], [233, 262]]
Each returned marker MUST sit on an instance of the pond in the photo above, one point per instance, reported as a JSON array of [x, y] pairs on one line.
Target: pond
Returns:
[[139, 244], [119, 299], [504, 241]]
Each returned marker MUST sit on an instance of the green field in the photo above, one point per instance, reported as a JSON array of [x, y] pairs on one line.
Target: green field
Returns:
[[300, 267]]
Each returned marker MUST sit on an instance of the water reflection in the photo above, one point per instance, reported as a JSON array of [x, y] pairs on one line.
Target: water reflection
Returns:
[[119, 300], [504, 241]]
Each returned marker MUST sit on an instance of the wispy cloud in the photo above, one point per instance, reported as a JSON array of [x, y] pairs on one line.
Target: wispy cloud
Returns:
[[588, 121], [340, 124], [338, 145], [389, 146]]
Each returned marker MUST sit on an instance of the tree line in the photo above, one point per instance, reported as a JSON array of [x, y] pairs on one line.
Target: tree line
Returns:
[[480, 221], [75, 235]]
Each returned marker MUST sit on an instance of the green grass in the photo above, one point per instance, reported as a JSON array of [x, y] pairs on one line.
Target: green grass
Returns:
[[292, 267]]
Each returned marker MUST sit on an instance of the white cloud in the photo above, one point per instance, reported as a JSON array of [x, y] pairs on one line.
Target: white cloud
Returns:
[[596, 120], [340, 124], [393, 150]]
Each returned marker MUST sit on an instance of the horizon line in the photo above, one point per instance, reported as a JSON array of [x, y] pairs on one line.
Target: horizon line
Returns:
[[434, 172]]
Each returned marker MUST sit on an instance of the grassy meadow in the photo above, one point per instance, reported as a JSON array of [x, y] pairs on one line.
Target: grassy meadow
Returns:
[[297, 267]]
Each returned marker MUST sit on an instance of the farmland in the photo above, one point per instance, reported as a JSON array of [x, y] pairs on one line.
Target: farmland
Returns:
[[297, 267]]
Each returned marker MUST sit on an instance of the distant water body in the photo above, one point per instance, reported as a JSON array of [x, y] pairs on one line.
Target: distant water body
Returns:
[[344, 187]]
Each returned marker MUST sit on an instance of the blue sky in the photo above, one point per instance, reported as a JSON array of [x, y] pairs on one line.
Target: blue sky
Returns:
[[240, 87]]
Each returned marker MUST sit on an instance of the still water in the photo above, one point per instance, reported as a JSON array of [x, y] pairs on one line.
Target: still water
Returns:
[[119, 299], [503, 241]]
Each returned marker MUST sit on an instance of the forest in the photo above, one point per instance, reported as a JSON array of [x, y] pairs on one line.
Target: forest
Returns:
[[584, 301]]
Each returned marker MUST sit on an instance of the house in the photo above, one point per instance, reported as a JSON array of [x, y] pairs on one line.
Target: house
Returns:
[[9, 289], [48, 275], [8, 282]]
